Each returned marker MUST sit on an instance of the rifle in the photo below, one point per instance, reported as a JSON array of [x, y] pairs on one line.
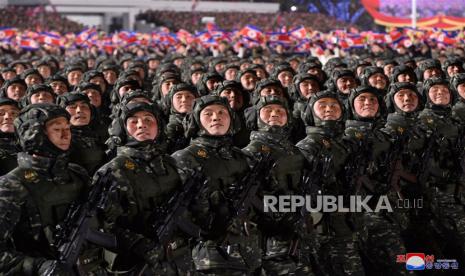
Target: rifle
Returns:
[[178, 205], [396, 171], [75, 229], [310, 183], [250, 185]]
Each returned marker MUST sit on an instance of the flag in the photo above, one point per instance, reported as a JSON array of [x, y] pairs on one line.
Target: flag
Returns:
[[85, 35], [281, 38], [28, 43], [50, 39], [298, 33], [7, 33], [252, 33]]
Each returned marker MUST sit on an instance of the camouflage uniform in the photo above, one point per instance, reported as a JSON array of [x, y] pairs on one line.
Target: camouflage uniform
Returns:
[[445, 173], [86, 148], [35, 197], [242, 137], [337, 236], [379, 233], [142, 180], [8, 144], [279, 231], [174, 129], [223, 249]]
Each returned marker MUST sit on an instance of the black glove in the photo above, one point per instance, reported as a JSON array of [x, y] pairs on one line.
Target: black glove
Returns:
[[150, 252], [54, 268]]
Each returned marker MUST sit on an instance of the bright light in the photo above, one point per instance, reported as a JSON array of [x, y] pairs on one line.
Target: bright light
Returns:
[[293, 8]]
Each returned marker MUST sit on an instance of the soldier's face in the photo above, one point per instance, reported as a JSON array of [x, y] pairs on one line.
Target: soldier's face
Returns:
[[124, 89], [439, 94], [9, 75], [378, 80], [80, 113], [308, 88], [45, 71], [433, 72], [404, 78], [110, 76], [366, 105], [183, 101], [94, 97], [42, 97], [230, 74], [16, 91], [327, 109], [388, 69], [195, 77], [248, 81], [100, 82], [453, 70], [59, 87], [344, 84], [142, 126], [274, 115], [33, 79], [272, 91], [8, 113], [74, 77], [212, 84], [215, 119], [461, 90], [166, 86], [58, 132], [234, 98], [285, 78], [406, 100]]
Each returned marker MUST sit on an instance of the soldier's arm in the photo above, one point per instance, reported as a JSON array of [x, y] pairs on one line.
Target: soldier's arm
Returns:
[[13, 262], [186, 163]]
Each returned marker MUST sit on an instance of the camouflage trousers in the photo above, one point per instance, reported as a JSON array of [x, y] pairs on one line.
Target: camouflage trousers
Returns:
[[278, 261], [380, 242], [339, 256], [448, 221]]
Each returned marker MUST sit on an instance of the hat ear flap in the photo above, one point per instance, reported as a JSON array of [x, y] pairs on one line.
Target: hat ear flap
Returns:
[[190, 126], [251, 115]]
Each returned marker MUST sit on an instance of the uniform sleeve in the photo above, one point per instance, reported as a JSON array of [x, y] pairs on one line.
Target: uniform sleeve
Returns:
[[186, 163], [12, 262], [114, 211]]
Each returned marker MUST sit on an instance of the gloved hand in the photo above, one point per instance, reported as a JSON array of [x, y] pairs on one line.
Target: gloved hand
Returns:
[[151, 252], [54, 268], [236, 226]]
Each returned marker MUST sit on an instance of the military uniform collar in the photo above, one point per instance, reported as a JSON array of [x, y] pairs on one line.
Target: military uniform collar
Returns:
[[54, 167], [361, 125]]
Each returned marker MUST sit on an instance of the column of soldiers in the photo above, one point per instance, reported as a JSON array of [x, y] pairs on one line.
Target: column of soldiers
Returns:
[[158, 165]]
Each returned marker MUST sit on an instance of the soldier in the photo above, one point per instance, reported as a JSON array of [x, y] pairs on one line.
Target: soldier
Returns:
[[403, 73], [238, 100], [208, 83], [179, 102], [9, 110], [375, 77], [379, 234], [457, 84], [223, 249], [408, 141], [31, 77], [443, 183], [59, 84], [38, 193], [14, 88], [281, 230], [143, 179], [87, 150], [324, 149], [39, 93]]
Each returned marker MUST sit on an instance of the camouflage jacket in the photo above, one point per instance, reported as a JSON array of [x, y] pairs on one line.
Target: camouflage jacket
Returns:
[[34, 199]]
